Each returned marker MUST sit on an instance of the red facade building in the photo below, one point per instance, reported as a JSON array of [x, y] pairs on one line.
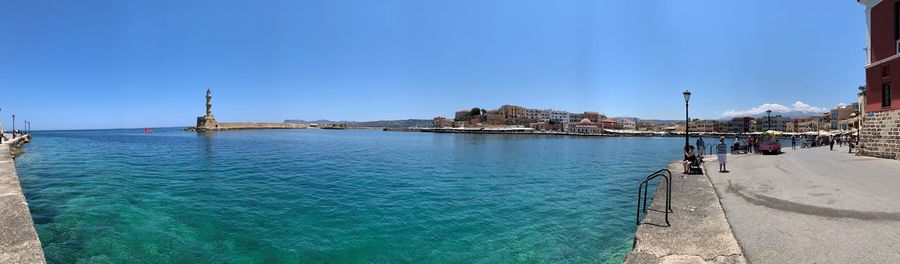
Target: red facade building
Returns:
[[883, 67], [880, 135]]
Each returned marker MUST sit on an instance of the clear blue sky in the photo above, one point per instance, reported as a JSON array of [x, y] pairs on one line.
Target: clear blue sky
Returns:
[[113, 63]]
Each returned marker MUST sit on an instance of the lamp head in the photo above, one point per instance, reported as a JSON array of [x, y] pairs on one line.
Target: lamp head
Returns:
[[687, 95]]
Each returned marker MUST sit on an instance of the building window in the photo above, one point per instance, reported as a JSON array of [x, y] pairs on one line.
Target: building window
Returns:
[[897, 21], [886, 95]]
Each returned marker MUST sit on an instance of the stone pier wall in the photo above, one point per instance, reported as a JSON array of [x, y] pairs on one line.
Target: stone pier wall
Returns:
[[239, 126], [19, 241], [880, 136]]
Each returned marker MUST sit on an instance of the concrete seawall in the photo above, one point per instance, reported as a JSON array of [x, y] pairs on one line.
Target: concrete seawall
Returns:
[[700, 233], [19, 241]]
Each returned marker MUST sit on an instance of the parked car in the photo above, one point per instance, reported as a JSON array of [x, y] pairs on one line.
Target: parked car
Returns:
[[770, 145]]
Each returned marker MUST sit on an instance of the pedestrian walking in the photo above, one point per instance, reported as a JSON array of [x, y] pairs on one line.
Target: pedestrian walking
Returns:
[[722, 154]]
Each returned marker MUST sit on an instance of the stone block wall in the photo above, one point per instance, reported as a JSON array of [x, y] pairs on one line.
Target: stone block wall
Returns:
[[880, 136]]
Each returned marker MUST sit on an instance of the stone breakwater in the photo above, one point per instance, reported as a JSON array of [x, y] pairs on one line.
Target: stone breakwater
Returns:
[[19, 241], [239, 126]]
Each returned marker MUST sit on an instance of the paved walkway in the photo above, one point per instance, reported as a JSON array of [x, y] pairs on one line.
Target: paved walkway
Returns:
[[18, 240], [812, 206], [699, 231]]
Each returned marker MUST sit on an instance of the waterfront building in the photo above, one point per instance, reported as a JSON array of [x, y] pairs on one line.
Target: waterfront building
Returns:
[[806, 124], [741, 124], [756, 125], [537, 115], [839, 114], [791, 126], [577, 116], [703, 126], [543, 126], [882, 102], [476, 120], [559, 116], [779, 123], [593, 116], [440, 121], [494, 117], [513, 114], [629, 123], [607, 123], [462, 115], [648, 126], [586, 127]]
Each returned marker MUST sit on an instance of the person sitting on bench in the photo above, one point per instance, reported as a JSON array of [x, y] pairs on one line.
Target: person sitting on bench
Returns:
[[689, 159]]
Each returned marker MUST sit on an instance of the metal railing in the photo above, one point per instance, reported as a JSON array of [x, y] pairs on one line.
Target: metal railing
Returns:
[[643, 190]]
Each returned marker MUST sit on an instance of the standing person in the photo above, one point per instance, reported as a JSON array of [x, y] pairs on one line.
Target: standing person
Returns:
[[850, 146], [794, 142], [750, 145], [830, 143], [721, 154], [701, 146]]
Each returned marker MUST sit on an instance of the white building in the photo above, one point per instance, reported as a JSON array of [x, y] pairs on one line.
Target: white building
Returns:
[[561, 117], [537, 114], [629, 123]]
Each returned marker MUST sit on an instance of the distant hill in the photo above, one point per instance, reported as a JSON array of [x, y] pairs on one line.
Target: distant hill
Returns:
[[379, 123]]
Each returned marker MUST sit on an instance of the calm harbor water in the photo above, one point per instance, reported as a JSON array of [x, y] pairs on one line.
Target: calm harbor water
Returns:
[[326, 196]]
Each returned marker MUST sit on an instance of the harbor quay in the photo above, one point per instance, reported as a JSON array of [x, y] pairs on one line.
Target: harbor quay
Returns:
[[19, 241], [696, 230], [812, 205], [806, 205]]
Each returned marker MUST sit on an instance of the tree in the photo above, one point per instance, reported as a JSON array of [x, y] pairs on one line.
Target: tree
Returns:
[[475, 111], [483, 111]]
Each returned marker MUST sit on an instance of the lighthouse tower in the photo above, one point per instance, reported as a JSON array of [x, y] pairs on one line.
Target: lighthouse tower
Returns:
[[209, 120]]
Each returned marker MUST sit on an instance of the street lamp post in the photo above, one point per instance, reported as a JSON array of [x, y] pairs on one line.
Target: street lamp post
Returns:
[[687, 120], [769, 120], [14, 126]]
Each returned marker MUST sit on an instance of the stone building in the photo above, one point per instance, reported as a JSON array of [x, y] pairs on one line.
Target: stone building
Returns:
[[513, 114], [880, 136], [585, 127], [462, 115], [440, 121]]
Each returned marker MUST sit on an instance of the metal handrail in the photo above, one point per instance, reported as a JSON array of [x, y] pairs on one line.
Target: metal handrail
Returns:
[[642, 194]]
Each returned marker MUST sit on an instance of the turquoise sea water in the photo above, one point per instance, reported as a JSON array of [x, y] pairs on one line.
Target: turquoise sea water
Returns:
[[329, 196]]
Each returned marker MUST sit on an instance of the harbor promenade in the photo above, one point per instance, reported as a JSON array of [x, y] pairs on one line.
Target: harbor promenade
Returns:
[[812, 206], [19, 242], [699, 231]]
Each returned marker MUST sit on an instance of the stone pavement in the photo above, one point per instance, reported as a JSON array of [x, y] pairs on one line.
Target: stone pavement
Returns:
[[18, 240], [812, 206], [699, 231]]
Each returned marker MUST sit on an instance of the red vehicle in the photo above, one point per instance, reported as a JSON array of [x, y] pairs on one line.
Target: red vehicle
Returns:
[[769, 145]]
